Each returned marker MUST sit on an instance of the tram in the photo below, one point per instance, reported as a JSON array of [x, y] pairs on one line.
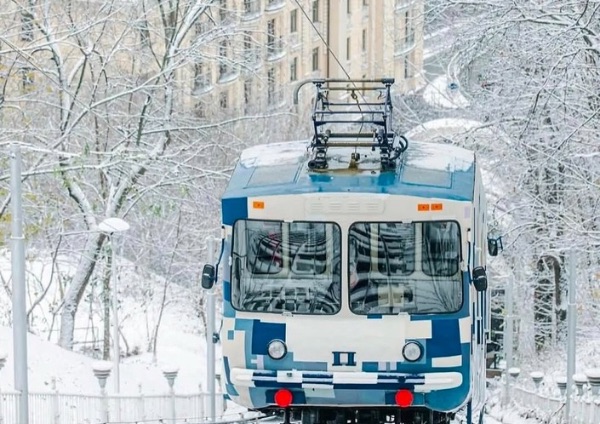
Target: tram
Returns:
[[354, 278]]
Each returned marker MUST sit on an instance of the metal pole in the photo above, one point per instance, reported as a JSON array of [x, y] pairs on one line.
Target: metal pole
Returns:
[[508, 337], [19, 286], [115, 306], [210, 331], [571, 333]]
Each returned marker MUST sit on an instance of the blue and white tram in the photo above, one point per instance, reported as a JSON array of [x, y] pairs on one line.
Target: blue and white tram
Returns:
[[354, 280]]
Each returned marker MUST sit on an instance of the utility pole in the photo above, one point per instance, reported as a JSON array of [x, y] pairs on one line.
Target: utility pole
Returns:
[[571, 333], [19, 295], [508, 337]]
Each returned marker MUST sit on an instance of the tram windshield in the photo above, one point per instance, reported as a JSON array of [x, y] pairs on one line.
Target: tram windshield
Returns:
[[286, 267], [404, 267]]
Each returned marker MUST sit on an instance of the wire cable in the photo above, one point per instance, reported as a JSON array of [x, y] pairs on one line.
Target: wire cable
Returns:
[[323, 39]]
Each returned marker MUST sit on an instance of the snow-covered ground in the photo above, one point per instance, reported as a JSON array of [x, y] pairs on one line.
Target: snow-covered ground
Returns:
[[180, 340]]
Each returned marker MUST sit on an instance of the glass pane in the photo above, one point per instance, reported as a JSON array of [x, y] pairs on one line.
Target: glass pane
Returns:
[[264, 247], [286, 267], [384, 277], [441, 251]]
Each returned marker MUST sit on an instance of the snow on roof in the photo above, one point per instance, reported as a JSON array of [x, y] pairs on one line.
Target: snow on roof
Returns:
[[286, 153], [439, 156], [434, 156]]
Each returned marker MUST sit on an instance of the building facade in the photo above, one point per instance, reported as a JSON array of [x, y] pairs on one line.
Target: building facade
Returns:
[[243, 57], [278, 43]]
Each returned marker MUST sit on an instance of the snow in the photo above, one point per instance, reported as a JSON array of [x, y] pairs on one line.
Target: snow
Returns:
[[180, 342], [593, 373], [439, 94], [72, 372], [287, 153], [440, 156]]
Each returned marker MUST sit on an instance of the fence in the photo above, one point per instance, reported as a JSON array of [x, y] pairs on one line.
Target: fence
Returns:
[[60, 408], [544, 398]]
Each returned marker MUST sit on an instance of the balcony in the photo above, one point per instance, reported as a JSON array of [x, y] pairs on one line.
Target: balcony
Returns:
[[274, 5], [252, 10], [202, 83], [227, 73]]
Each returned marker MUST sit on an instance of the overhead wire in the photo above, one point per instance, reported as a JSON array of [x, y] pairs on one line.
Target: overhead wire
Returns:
[[334, 57]]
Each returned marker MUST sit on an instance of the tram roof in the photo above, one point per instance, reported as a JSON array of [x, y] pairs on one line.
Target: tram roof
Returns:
[[429, 170]]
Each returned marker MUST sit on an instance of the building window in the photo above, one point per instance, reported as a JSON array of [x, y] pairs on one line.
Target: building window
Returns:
[[250, 49], [271, 37], [27, 79], [144, 33], [315, 59], [315, 11], [348, 44], [202, 26], [409, 33], [271, 86], [294, 20], [200, 110], [294, 69], [247, 92], [348, 6], [251, 7], [202, 76], [365, 3], [26, 27], [408, 68], [225, 15], [364, 40], [223, 59], [223, 100]]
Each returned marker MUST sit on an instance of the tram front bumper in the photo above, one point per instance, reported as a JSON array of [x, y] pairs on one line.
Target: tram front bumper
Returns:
[[418, 383]]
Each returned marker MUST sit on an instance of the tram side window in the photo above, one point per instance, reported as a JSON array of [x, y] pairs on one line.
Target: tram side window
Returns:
[[441, 248]]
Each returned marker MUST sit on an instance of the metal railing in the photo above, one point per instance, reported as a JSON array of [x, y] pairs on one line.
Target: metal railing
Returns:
[[63, 408], [545, 397]]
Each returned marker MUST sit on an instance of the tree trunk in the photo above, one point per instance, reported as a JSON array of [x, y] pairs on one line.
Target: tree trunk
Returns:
[[84, 271]]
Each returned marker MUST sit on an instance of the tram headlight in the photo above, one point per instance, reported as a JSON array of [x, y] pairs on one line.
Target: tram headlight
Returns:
[[277, 349], [412, 351]]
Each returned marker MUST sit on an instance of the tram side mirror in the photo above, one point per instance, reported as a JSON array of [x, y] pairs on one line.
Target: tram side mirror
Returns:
[[494, 246], [479, 278], [208, 276]]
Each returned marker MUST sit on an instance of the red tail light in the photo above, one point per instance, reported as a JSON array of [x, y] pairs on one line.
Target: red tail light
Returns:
[[283, 398], [404, 398]]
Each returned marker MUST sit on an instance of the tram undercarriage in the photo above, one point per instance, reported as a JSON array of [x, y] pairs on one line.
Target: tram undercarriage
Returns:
[[333, 415]]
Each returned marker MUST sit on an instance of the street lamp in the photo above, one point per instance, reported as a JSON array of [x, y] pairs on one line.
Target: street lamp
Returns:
[[19, 295], [111, 226]]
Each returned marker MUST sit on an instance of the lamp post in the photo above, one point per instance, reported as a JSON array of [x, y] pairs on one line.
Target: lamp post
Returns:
[[111, 226], [19, 295]]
